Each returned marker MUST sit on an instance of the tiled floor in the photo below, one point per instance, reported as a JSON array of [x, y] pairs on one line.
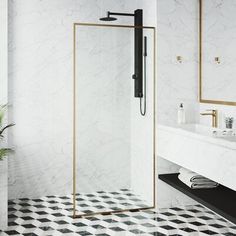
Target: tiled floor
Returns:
[[52, 216], [102, 201]]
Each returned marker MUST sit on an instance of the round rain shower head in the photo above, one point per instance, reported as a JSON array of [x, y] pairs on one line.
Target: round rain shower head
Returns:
[[108, 18]]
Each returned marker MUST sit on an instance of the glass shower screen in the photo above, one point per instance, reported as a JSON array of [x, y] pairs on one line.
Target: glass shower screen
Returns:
[[114, 152]]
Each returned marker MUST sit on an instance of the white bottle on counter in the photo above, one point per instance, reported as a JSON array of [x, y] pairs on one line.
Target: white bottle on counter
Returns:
[[181, 114]]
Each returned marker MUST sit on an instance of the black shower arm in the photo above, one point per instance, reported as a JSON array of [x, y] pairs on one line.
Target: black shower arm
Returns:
[[119, 14]]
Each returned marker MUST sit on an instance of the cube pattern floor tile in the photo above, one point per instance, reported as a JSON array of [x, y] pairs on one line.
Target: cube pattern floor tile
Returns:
[[52, 215]]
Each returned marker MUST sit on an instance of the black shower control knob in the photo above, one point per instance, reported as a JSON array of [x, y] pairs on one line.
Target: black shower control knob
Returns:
[[134, 76]]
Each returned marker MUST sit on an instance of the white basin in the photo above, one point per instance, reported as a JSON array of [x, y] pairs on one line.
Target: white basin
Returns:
[[205, 150], [199, 129], [209, 131]]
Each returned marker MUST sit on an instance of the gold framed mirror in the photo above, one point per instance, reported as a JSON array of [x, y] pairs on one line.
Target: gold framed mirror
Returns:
[[217, 29]]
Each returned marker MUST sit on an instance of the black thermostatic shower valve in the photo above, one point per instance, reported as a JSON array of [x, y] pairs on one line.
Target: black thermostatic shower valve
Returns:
[[138, 54]]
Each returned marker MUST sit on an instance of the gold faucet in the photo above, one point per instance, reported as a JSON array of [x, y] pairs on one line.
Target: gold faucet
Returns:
[[214, 117]]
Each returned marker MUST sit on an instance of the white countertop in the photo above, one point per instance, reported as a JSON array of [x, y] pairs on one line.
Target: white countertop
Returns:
[[203, 133]]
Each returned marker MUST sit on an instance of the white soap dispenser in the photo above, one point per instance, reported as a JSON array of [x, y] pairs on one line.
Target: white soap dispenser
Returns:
[[181, 114]]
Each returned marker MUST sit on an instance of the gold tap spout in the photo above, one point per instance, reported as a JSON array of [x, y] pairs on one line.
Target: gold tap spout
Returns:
[[214, 117]]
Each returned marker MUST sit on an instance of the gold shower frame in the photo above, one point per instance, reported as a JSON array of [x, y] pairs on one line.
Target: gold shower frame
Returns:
[[75, 116]]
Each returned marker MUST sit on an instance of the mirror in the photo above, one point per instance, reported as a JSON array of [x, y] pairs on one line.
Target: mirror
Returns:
[[217, 65]]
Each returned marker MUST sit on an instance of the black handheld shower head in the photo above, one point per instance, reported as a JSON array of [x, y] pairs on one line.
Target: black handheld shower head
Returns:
[[108, 18]]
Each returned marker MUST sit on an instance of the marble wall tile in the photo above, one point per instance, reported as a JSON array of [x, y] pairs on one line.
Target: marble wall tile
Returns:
[[104, 68], [40, 77], [3, 50], [177, 35], [40, 92], [142, 126], [40, 59], [3, 100]]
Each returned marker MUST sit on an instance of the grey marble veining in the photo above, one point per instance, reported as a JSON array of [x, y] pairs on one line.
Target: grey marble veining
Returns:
[[3, 100], [40, 78], [177, 22], [177, 33], [40, 91]]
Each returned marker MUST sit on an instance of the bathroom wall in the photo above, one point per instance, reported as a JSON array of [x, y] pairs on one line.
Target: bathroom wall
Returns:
[[40, 92], [3, 52], [40, 77], [177, 35], [103, 108], [3, 100], [142, 126]]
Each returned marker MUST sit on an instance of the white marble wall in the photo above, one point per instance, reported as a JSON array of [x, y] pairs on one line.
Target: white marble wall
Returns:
[[3, 51], [3, 100], [40, 50], [131, 149], [40, 77], [104, 68], [142, 126], [177, 35], [142, 130]]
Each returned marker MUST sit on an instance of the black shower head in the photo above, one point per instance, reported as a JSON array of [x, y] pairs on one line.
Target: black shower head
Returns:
[[108, 17]]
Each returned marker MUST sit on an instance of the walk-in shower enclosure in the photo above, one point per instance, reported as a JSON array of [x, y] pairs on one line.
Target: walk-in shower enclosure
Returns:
[[114, 146]]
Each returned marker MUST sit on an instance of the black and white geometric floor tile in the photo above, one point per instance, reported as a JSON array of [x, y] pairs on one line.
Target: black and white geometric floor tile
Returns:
[[51, 215], [108, 201]]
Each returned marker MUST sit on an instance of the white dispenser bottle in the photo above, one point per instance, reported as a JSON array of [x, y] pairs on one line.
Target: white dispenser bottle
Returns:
[[181, 114]]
